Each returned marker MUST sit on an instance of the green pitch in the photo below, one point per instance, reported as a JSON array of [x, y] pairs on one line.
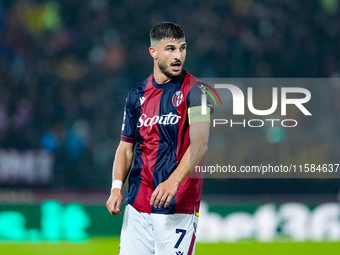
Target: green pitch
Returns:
[[103, 246]]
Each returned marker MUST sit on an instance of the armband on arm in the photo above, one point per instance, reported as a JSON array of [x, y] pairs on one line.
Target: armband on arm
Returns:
[[195, 115]]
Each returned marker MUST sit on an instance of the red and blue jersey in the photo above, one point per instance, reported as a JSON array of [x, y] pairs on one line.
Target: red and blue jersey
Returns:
[[156, 121]]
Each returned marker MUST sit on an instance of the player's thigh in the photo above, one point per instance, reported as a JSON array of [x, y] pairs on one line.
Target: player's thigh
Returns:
[[175, 233], [137, 233]]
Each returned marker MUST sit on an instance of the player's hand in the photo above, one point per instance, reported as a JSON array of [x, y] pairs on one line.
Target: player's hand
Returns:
[[114, 202], [163, 194]]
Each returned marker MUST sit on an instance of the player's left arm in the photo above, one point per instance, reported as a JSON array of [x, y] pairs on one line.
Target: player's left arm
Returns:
[[199, 135]]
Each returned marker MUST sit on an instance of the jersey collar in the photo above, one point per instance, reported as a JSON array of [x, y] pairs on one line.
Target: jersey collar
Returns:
[[169, 83]]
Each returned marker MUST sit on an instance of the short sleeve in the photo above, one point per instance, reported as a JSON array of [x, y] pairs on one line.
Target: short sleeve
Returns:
[[129, 120], [195, 96], [195, 111]]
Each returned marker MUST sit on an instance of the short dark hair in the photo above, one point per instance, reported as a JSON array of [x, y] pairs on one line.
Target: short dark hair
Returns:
[[166, 30]]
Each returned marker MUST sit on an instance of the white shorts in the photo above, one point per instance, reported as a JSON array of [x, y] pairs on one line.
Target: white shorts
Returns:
[[157, 234]]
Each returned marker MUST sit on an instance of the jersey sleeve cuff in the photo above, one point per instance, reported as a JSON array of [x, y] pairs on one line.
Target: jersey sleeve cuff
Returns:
[[127, 139]]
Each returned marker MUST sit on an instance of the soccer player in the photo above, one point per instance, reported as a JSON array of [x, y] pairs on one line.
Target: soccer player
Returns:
[[164, 136]]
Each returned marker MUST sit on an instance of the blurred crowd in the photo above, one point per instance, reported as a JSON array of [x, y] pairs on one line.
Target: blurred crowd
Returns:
[[66, 66]]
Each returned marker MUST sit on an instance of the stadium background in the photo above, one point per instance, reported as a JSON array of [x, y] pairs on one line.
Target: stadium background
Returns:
[[65, 69]]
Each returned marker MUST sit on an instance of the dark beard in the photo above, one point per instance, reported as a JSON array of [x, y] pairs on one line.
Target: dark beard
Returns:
[[162, 67]]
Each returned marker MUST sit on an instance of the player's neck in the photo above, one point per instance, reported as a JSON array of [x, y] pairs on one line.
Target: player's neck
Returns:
[[159, 76]]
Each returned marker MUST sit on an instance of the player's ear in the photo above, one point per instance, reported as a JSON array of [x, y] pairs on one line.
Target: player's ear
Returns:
[[153, 52]]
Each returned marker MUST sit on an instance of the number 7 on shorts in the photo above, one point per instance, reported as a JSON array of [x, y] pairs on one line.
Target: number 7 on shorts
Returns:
[[180, 239]]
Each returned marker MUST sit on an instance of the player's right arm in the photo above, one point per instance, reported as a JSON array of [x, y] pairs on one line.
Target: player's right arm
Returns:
[[124, 154], [120, 170]]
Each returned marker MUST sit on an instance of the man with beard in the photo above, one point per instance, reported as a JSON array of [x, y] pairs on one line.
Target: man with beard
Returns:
[[164, 136]]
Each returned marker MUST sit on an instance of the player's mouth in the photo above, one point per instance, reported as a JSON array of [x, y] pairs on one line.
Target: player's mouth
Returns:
[[176, 66]]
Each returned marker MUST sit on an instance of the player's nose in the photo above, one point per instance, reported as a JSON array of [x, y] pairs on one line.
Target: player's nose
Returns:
[[177, 54]]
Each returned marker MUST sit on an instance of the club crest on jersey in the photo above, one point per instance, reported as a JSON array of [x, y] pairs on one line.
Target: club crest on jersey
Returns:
[[177, 98]]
